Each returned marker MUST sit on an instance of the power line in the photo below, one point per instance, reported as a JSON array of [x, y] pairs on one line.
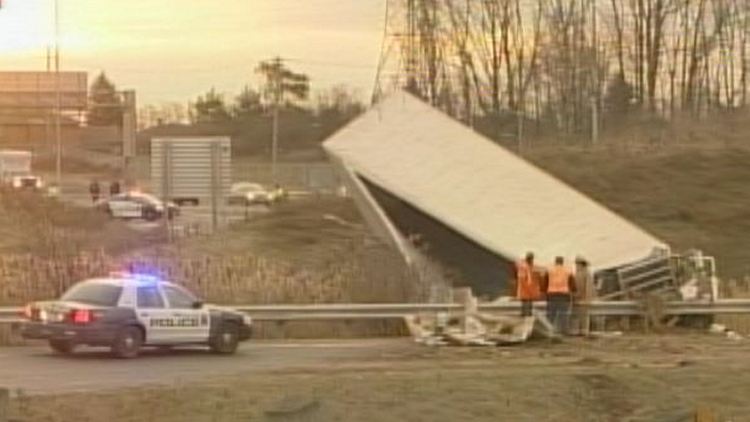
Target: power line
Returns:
[[330, 64]]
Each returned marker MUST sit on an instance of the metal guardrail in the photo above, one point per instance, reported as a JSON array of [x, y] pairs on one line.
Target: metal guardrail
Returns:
[[384, 311], [10, 315], [348, 311]]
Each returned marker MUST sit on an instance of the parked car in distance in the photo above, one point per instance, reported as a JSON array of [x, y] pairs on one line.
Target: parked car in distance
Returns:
[[247, 193], [137, 205]]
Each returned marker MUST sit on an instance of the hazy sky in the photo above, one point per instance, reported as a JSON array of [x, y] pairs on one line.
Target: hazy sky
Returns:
[[173, 50]]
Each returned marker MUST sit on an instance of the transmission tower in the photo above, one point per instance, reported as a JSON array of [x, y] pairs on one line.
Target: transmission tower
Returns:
[[411, 55]]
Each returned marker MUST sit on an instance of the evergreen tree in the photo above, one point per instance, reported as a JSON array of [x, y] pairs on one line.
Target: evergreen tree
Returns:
[[105, 105], [210, 108]]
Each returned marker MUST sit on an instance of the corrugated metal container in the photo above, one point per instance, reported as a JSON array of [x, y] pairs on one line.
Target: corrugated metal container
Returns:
[[439, 168], [185, 169]]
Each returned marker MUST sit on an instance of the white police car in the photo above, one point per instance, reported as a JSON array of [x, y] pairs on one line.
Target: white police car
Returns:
[[126, 312], [137, 205]]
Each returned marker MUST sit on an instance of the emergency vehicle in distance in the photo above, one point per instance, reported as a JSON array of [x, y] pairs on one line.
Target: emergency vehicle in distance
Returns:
[[126, 312], [15, 170], [137, 205]]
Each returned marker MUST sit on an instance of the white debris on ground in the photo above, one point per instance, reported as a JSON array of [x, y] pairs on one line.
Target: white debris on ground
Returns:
[[473, 328], [722, 329]]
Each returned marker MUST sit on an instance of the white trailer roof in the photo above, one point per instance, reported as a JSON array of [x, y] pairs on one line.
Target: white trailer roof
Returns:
[[479, 189]]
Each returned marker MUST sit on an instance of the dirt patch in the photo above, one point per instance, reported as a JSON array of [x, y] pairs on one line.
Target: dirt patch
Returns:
[[604, 394]]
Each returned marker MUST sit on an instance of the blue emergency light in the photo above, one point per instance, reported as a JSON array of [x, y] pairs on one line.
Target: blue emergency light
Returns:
[[137, 276]]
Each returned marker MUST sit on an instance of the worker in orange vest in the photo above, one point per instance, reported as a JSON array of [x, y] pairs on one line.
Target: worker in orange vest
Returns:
[[559, 288], [527, 286]]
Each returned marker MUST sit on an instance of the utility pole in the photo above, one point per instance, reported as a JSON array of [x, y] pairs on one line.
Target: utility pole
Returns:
[[595, 88], [277, 98], [275, 143], [278, 82], [58, 102], [129, 128], [519, 127], [412, 79]]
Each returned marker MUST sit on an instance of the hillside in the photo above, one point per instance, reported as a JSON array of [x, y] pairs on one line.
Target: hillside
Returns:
[[690, 197]]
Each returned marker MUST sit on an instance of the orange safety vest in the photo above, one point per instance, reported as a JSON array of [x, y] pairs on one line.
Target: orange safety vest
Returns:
[[559, 277], [527, 287]]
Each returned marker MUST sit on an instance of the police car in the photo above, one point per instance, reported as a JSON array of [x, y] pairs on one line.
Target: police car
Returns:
[[137, 205], [126, 312]]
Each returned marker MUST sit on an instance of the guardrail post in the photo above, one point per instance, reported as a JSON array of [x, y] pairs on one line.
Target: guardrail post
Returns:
[[464, 297], [4, 404]]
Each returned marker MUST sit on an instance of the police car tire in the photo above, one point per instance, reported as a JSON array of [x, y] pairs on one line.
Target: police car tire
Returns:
[[227, 340], [120, 347], [64, 347], [150, 215]]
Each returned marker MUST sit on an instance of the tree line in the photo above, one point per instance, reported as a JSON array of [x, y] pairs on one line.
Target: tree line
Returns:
[[283, 95], [569, 64], [305, 118]]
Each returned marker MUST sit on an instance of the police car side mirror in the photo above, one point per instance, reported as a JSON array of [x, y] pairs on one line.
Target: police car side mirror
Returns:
[[197, 304]]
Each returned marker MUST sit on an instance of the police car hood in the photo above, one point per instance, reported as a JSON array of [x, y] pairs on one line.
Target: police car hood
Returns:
[[219, 308]]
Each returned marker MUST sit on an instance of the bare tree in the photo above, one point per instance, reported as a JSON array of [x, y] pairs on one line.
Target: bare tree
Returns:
[[501, 58]]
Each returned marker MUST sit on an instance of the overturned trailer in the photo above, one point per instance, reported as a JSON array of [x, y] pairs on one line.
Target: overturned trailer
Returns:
[[426, 183]]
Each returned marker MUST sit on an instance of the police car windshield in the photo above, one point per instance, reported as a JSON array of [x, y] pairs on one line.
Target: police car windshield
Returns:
[[92, 293], [145, 197], [248, 188]]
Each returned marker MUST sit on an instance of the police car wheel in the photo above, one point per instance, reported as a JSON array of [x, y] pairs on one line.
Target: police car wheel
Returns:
[[225, 342], [150, 215], [128, 342], [64, 347]]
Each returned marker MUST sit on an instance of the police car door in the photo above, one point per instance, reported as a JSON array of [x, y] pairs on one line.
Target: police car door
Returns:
[[152, 312], [123, 206], [191, 325]]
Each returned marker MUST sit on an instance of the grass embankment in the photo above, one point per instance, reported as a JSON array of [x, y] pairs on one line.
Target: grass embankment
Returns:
[[298, 253], [306, 251], [44, 227], [691, 197], [305, 233]]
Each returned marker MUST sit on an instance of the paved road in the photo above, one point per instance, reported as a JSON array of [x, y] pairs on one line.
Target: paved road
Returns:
[[36, 370]]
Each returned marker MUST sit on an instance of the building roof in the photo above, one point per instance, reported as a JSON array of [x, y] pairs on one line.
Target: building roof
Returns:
[[481, 190]]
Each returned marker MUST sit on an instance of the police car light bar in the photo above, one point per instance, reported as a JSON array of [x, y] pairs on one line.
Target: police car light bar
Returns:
[[146, 278]]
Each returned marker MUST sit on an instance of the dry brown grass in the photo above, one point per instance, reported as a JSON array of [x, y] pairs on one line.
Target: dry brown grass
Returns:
[[736, 289], [230, 280], [293, 255], [690, 197], [33, 224], [373, 275]]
